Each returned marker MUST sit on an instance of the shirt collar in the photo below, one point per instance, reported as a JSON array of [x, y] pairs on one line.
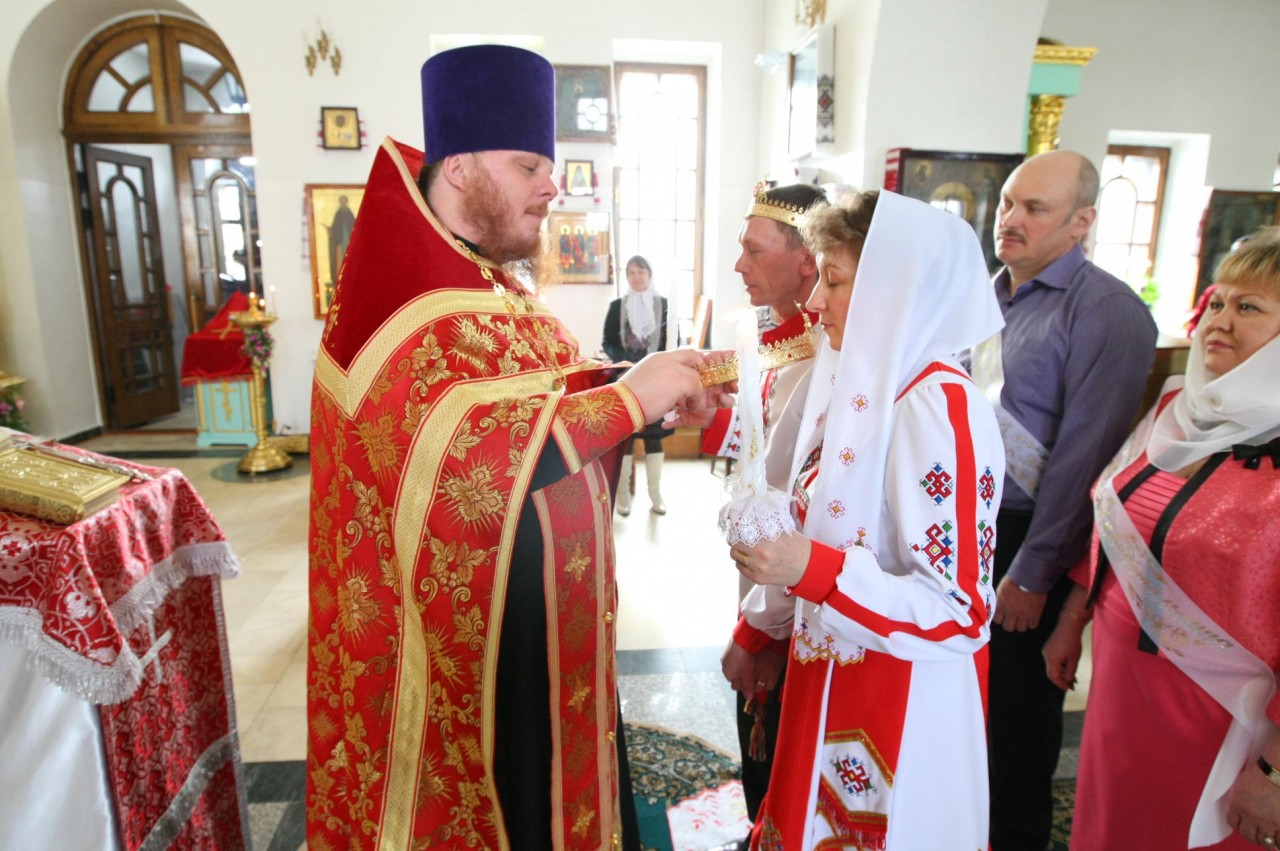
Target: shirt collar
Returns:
[[1057, 274]]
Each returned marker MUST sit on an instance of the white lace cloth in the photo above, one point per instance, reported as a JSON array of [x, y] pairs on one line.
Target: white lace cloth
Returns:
[[755, 511]]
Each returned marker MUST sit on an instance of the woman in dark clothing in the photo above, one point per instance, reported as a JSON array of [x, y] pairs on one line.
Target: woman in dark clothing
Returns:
[[635, 326]]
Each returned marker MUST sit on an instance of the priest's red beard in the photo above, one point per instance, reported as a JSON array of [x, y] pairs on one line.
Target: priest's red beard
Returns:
[[485, 208]]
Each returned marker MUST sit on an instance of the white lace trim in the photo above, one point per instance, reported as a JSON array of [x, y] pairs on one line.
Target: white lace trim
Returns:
[[751, 518], [115, 681]]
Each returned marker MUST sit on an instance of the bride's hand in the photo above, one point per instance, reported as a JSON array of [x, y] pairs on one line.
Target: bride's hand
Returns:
[[781, 562]]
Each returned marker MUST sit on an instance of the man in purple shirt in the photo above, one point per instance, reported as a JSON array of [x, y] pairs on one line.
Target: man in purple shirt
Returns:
[[1073, 358]]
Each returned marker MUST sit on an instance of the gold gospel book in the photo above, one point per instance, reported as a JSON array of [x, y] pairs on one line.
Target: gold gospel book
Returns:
[[51, 488]]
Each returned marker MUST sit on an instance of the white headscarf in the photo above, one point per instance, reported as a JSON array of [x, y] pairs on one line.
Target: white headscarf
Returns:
[[1212, 414], [641, 312], [921, 294]]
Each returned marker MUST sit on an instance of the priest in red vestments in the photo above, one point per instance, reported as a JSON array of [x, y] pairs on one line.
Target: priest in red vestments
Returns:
[[460, 674]]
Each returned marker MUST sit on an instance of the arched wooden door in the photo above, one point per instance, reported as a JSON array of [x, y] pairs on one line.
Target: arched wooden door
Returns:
[[167, 80]]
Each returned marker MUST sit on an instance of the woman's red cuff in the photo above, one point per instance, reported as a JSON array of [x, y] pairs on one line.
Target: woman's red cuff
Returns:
[[820, 574], [749, 638]]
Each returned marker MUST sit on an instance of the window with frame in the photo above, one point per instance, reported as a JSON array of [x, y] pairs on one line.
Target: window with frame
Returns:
[[658, 178], [1129, 206]]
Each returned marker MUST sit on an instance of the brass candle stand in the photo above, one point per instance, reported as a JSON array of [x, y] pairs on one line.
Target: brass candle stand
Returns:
[[265, 457]]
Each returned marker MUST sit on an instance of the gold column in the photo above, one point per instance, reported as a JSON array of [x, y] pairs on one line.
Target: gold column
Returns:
[[1055, 76], [263, 458], [1042, 131]]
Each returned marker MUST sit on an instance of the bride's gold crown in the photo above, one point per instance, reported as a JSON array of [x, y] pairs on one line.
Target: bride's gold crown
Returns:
[[773, 355], [779, 211]]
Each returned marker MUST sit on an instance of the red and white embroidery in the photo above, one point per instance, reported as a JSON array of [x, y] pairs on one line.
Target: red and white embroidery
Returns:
[[937, 484]]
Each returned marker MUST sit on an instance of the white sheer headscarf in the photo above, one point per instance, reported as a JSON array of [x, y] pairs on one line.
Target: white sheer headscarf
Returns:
[[640, 309], [1215, 412], [921, 294]]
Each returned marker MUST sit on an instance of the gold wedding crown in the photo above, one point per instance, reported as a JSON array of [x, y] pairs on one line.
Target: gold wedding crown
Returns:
[[779, 211], [773, 355]]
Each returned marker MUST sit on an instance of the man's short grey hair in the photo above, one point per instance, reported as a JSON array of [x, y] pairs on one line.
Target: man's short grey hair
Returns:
[[1086, 184]]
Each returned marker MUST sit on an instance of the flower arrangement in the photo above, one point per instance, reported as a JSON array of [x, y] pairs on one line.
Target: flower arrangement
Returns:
[[11, 406], [257, 347]]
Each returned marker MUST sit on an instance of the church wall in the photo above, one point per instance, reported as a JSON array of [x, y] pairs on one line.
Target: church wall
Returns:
[[1183, 75], [44, 330], [912, 73], [947, 74]]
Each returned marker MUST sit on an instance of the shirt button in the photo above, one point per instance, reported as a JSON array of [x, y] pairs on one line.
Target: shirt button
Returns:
[[608, 617], [604, 497], [610, 737]]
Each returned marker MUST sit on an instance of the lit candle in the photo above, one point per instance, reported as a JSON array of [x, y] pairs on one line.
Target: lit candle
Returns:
[[273, 304]]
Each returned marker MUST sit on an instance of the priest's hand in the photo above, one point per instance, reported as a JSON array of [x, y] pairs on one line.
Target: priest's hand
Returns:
[[781, 562], [663, 380]]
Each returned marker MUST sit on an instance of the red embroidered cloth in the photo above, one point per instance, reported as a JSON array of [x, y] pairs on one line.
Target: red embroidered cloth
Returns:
[[215, 350], [124, 609]]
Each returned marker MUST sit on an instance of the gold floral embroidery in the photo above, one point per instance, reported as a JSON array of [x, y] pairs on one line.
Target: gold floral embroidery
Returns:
[[569, 494], [469, 626], [578, 564], [445, 664], [414, 414], [463, 443], [369, 513], [379, 448], [579, 628], [322, 513], [473, 345], [356, 606], [507, 364], [515, 458], [591, 410], [520, 410], [579, 689], [582, 823], [453, 562], [473, 496]]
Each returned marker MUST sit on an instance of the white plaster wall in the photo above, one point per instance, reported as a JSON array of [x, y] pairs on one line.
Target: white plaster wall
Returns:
[[932, 74], [1177, 74], [43, 322], [1181, 67]]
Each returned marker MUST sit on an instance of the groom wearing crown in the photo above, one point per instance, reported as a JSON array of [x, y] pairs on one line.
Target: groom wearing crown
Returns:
[[778, 273]]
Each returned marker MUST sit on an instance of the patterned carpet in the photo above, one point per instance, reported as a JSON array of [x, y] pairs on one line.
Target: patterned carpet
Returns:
[[667, 767], [1064, 795]]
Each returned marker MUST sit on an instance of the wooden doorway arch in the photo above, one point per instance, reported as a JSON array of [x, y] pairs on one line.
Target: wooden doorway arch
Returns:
[[157, 80]]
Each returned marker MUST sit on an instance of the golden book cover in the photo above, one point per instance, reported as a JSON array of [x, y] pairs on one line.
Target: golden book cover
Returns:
[[52, 488]]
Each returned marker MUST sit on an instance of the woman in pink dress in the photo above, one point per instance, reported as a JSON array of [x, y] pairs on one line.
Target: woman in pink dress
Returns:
[[1182, 728]]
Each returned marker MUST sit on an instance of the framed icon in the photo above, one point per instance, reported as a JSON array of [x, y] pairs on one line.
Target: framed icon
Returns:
[[967, 184], [1229, 215], [340, 128], [581, 246], [579, 177], [582, 104], [331, 216]]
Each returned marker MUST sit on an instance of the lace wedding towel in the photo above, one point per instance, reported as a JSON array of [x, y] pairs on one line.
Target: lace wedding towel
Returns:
[[755, 511]]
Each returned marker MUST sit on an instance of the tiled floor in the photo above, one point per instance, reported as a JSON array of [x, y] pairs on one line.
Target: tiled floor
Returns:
[[677, 590]]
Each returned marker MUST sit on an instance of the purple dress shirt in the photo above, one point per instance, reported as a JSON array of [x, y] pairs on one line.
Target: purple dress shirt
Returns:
[[1077, 346]]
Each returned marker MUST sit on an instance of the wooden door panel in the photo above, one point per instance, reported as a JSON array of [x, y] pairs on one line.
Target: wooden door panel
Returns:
[[130, 300], [217, 198]]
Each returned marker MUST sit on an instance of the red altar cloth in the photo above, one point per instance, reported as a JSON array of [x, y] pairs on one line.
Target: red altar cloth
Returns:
[[215, 350], [124, 609]]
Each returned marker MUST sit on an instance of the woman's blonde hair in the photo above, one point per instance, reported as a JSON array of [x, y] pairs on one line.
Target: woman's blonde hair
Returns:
[[843, 224], [1256, 259]]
